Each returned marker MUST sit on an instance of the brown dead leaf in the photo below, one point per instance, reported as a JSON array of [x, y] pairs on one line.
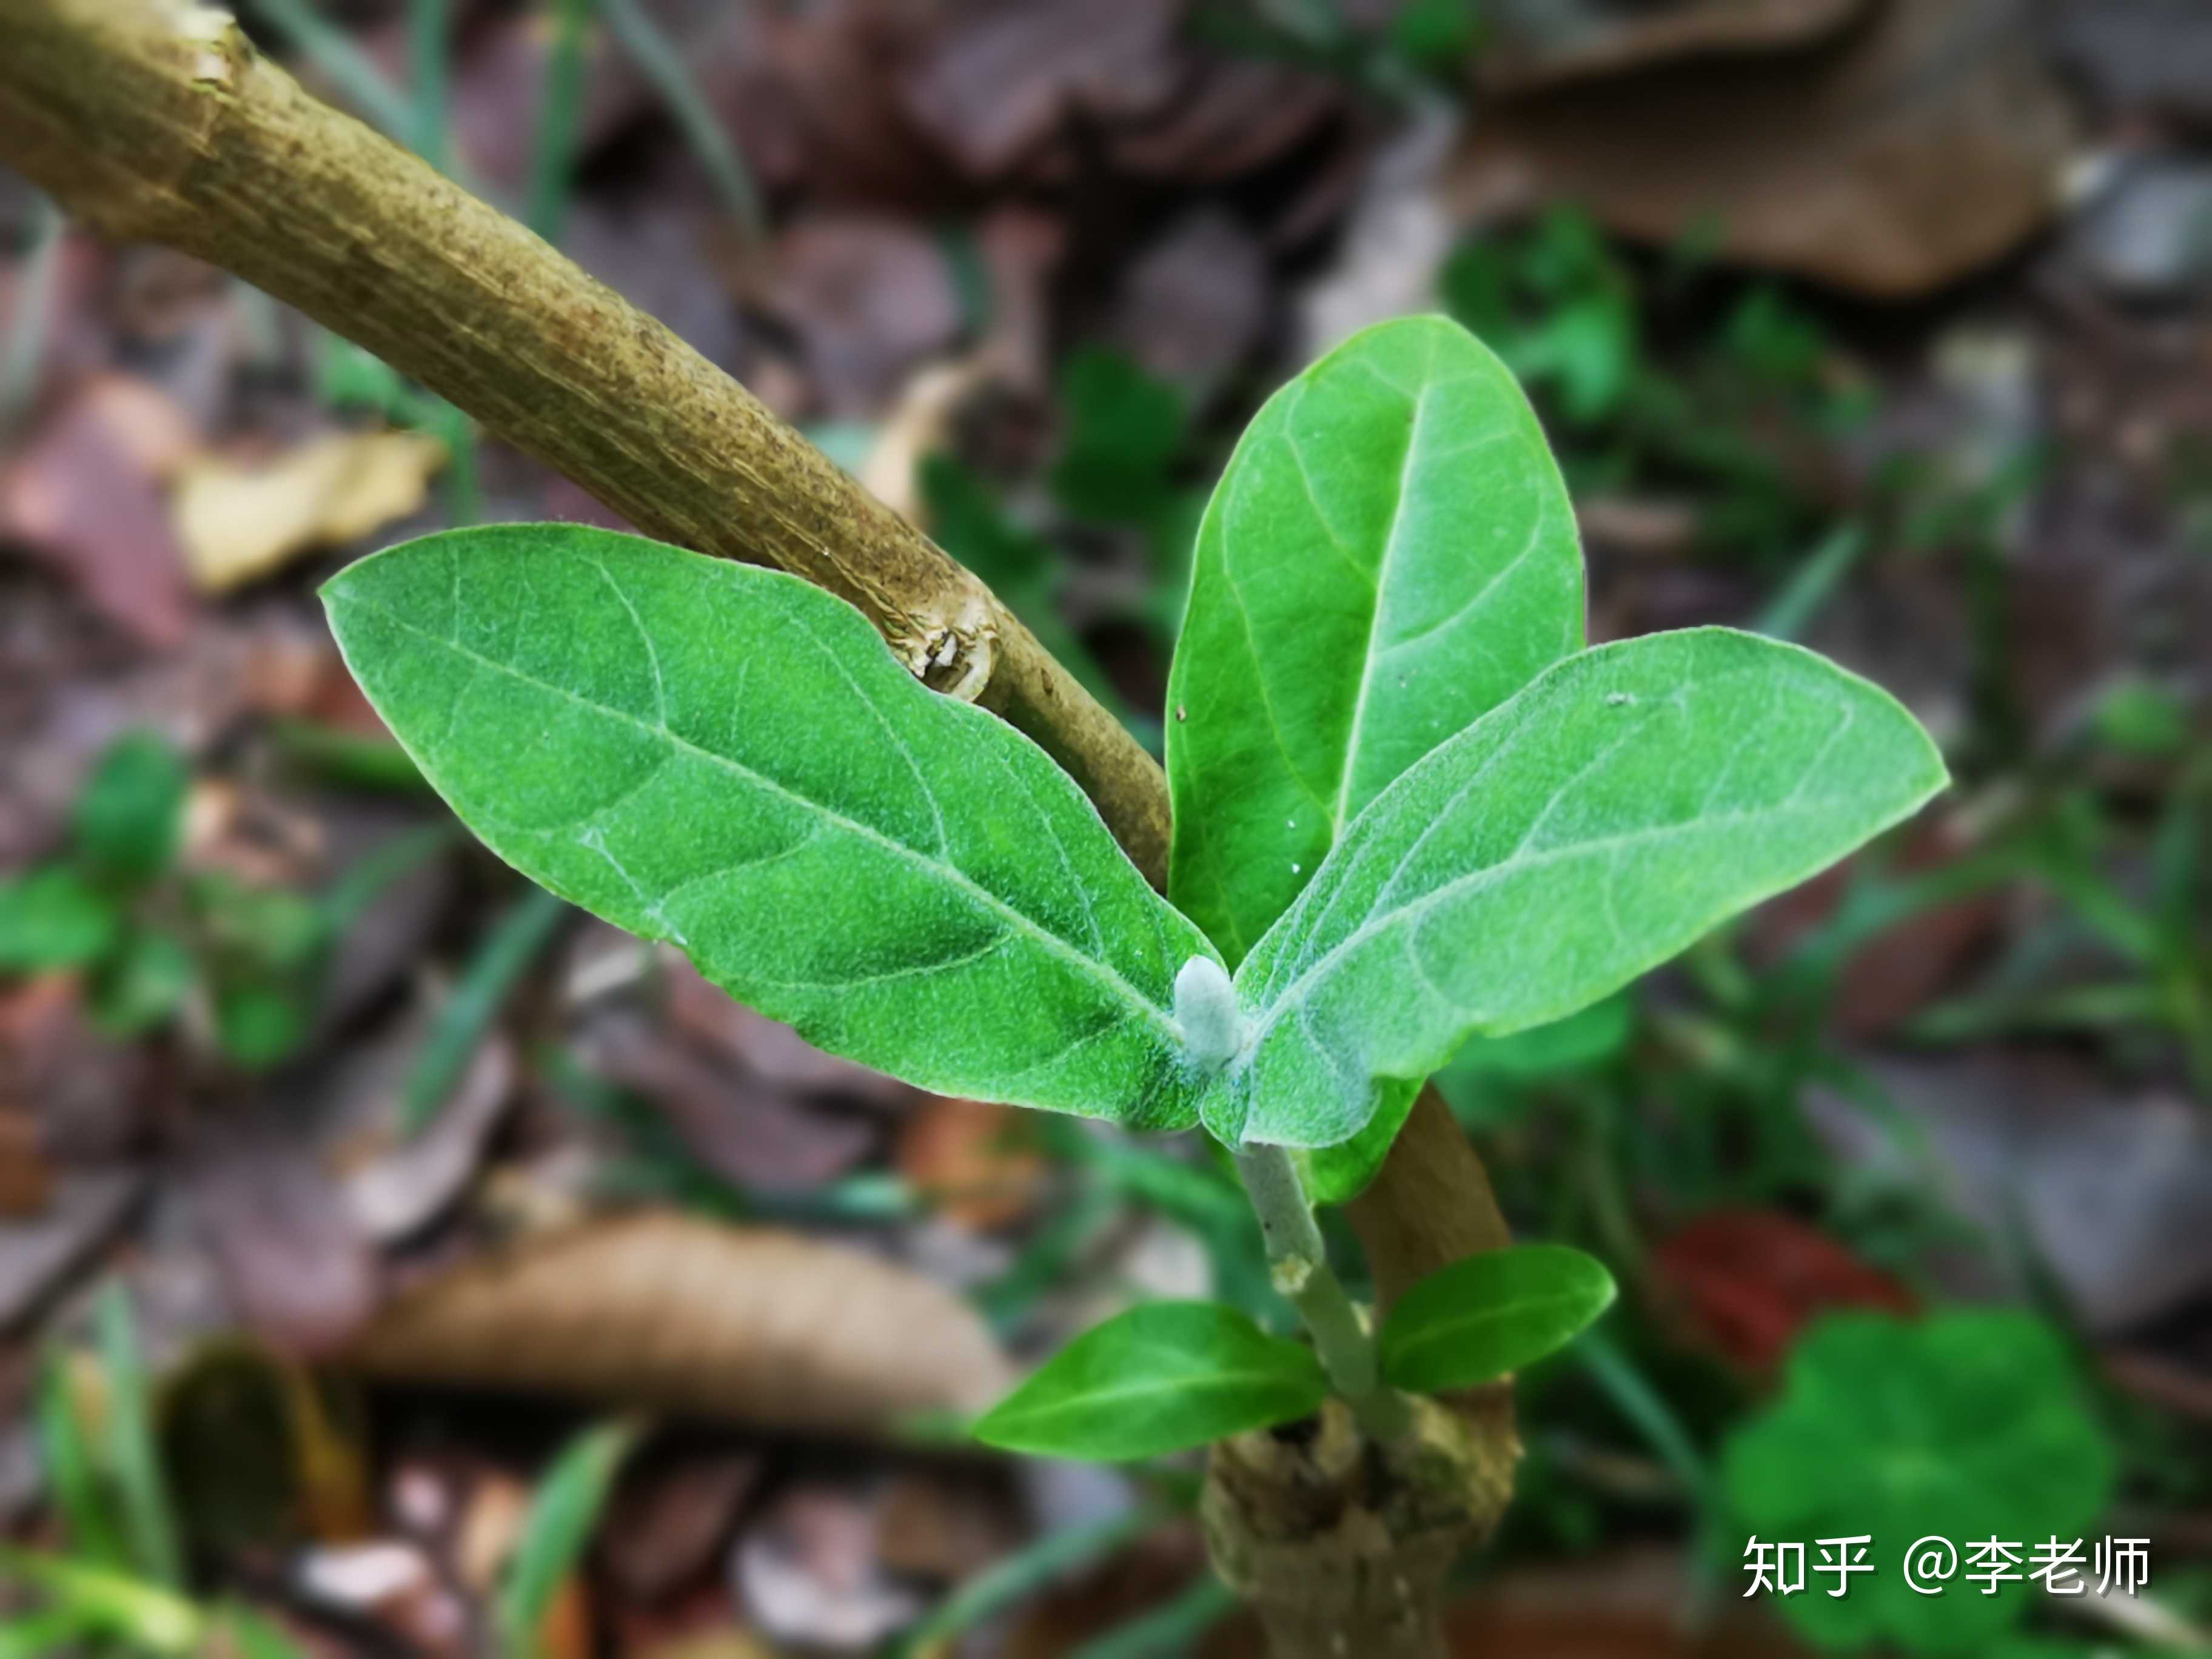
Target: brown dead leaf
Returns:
[[86, 1209], [1000, 82], [869, 296], [811, 1571], [655, 1308], [1904, 155], [238, 522], [1194, 303], [749, 1132], [298, 1267], [668, 1520], [767, 1049], [1234, 115], [86, 495], [920, 424], [27, 1177], [1542, 43], [978, 1161]]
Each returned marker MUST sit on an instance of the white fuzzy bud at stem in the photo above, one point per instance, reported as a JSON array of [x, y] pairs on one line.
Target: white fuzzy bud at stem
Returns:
[[1206, 1013]]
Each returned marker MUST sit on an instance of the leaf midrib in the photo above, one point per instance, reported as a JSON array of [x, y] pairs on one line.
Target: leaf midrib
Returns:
[[1206, 1382], [1351, 760], [1091, 965], [1437, 1331], [1475, 879]]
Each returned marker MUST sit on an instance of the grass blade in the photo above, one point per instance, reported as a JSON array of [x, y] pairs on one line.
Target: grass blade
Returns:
[[72, 1467], [349, 70], [1023, 1573], [561, 1518], [657, 60], [149, 1520], [509, 949], [560, 110], [27, 336]]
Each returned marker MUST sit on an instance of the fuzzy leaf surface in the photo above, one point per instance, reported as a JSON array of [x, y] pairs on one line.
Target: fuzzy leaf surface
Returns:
[[1162, 1377], [1390, 554], [1630, 798], [1478, 1319], [726, 758]]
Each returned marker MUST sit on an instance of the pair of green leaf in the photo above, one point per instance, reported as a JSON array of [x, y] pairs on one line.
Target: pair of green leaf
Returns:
[[1168, 1375]]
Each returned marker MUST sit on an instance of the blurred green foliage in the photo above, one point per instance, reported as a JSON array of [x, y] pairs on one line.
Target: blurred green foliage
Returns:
[[1966, 1426]]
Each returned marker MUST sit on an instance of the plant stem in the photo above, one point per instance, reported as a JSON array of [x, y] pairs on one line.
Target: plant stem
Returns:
[[1299, 1265]]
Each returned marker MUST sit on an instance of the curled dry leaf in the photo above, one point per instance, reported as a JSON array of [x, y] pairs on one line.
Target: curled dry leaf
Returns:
[[754, 1324], [1541, 43], [1900, 157], [237, 523]]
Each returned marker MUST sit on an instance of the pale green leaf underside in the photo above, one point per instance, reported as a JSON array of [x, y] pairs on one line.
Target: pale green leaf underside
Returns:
[[1162, 1377], [1494, 1312], [1627, 801], [726, 758], [1390, 553]]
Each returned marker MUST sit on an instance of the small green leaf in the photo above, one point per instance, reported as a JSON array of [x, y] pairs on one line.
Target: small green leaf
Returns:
[[564, 1514], [1478, 1319], [726, 758], [1632, 797], [1576, 1043], [131, 809], [1157, 1378], [1125, 428], [53, 918], [258, 1023], [1965, 1426], [1390, 554], [142, 984]]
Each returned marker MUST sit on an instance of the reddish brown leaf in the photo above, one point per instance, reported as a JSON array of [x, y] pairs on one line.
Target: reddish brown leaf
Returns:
[[87, 495], [1747, 1281]]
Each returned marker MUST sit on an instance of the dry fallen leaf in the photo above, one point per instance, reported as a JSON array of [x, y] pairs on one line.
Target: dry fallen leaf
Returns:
[[656, 1308], [978, 1161], [85, 494], [1905, 154], [238, 522], [920, 423], [1540, 43]]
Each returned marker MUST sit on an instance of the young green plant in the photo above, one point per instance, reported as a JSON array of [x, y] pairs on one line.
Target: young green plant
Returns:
[[1410, 810]]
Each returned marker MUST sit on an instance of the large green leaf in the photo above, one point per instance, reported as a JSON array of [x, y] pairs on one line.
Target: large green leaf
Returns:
[[728, 759], [1631, 798], [1491, 1314], [1390, 554], [1163, 1376]]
